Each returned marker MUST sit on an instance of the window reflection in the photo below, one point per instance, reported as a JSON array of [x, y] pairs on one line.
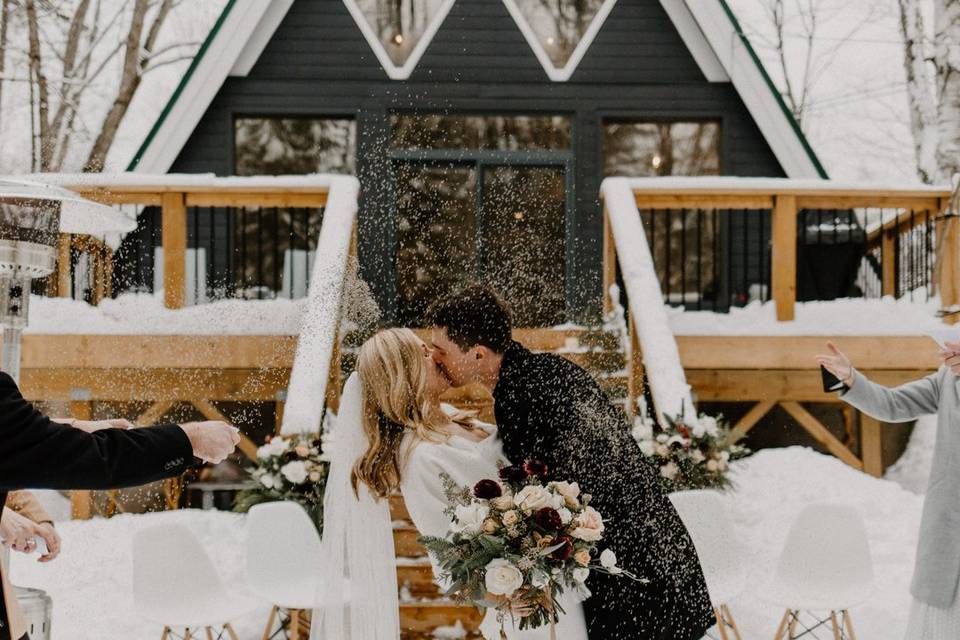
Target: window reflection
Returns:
[[559, 24], [277, 146], [399, 24], [502, 133]]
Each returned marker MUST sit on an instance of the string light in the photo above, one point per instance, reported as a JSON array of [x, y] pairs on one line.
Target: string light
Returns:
[[398, 39], [657, 161]]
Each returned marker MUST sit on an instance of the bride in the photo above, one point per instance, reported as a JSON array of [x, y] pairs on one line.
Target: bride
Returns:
[[393, 433]]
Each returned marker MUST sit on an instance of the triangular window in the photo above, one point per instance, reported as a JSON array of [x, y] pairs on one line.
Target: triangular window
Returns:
[[559, 31], [399, 31]]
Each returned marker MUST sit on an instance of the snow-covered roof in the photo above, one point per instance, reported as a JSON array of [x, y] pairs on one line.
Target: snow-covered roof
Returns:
[[708, 28]]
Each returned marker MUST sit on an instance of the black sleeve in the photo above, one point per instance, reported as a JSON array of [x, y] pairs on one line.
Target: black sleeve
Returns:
[[37, 453]]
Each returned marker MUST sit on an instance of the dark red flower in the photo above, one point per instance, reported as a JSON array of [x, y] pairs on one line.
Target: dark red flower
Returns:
[[563, 552], [535, 468], [513, 473], [487, 489], [684, 431], [548, 519]]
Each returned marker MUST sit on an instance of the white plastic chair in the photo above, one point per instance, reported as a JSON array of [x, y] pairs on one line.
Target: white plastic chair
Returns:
[[175, 584], [283, 551], [825, 565], [722, 556]]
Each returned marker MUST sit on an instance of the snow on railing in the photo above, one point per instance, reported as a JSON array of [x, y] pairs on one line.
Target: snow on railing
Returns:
[[320, 328], [661, 358]]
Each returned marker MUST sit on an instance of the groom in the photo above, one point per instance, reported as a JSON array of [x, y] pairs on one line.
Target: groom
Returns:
[[549, 409]]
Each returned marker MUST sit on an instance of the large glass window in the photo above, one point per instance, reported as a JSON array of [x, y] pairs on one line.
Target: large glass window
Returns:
[[399, 24], [685, 243], [275, 146], [501, 133]]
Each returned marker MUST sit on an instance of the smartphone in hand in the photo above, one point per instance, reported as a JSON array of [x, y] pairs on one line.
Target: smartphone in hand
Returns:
[[830, 381]]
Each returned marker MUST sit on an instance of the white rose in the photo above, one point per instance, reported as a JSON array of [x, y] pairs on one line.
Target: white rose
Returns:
[[264, 452], [565, 516], [591, 526], [608, 560], [580, 574], [295, 472], [532, 497], [697, 456], [713, 466], [278, 445], [470, 518], [662, 450], [502, 579], [569, 491], [699, 428], [662, 437], [670, 470], [642, 430], [647, 448], [269, 481], [725, 456]]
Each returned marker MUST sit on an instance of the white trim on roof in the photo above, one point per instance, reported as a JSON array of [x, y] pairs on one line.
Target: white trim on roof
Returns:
[[703, 25], [553, 72], [692, 36], [209, 75], [393, 71], [748, 79], [261, 36]]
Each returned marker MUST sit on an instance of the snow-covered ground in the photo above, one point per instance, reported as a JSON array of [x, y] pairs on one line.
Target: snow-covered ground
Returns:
[[91, 582]]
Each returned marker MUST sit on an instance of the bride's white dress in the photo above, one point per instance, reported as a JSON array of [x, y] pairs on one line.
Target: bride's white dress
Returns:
[[467, 462]]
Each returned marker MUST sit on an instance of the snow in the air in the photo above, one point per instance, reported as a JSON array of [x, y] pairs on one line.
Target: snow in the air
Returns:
[[91, 581]]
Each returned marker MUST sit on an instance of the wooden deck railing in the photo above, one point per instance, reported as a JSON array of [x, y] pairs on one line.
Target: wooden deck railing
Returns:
[[175, 194], [884, 214]]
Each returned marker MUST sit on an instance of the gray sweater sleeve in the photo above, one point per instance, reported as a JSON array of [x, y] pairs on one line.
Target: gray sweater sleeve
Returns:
[[899, 404]]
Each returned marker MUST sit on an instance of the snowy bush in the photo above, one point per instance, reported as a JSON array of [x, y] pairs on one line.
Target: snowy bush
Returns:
[[292, 468], [691, 453]]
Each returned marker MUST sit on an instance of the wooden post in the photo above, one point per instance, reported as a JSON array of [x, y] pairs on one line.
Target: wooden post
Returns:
[[174, 236], [784, 256], [63, 265], [334, 380], [609, 262], [889, 266], [635, 376], [949, 265], [81, 502], [871, 445]]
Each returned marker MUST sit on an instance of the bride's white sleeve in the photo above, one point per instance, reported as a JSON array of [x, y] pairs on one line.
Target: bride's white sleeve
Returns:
[[423, 494]]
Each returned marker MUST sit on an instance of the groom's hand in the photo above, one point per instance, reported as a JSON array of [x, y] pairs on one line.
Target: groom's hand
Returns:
[[212, 441]]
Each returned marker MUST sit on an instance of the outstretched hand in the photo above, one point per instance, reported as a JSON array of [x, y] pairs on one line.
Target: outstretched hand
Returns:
[[838, 364], [951, 356]]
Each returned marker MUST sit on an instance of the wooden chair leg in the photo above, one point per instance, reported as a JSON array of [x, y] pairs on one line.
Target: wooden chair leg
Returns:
[[721, 624], [849, 623], [725, 610], [209, 633], [166, 634], [834, 625], [795, 618], [273, 616], [783, 625], [229, 629], [187, 635], [295, 624]]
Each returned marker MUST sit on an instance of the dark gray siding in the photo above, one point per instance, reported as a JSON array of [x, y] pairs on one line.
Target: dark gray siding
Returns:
[[638, 67]]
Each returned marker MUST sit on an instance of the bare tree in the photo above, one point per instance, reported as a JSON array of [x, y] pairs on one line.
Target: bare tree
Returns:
[[921, 88], [947, 59], [4, 21]]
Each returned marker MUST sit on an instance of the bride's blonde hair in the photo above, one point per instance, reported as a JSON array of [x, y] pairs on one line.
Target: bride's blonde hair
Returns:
[[394, 381]]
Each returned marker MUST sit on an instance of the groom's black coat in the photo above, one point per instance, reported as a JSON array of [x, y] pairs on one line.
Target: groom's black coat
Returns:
[[549, 409]]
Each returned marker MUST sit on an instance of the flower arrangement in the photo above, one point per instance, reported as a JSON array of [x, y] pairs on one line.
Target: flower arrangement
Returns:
[[692, 453], [520, 537], [289, 468]]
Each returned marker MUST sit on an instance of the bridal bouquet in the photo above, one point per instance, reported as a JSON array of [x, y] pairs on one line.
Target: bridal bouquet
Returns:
[[290, 468], [691, 453], [520, 537]]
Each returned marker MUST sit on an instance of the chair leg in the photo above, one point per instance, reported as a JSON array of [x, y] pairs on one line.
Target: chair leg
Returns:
[[269, 628], [795, 618], [835, 626], [166, 634], [721, 624], [725, 611], [209, 633], [187, 635], [849, 624], [295, 624], [783, 625], [229, 629]]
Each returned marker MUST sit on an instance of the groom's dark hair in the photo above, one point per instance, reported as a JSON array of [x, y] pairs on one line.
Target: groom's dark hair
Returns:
[[474, 315]]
